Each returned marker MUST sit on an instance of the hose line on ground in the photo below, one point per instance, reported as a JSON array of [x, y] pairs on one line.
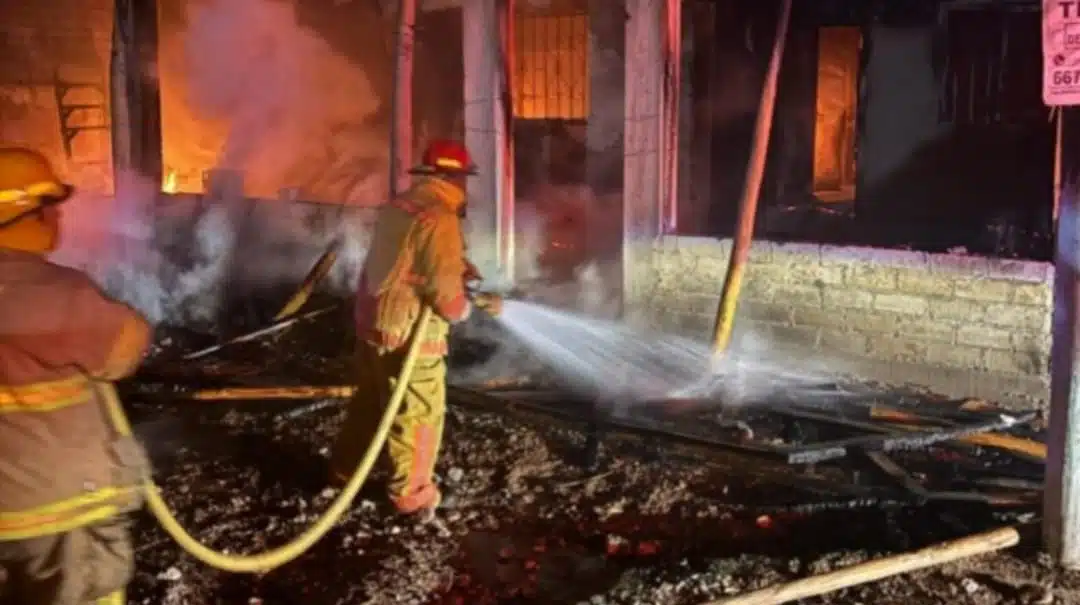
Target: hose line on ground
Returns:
[[281, 555]]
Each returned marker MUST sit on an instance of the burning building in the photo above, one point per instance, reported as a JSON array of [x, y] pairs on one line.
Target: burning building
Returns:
[[627, 131], [222, 145]]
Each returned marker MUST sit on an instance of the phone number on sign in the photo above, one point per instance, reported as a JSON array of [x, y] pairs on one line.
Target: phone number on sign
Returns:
[[1065, 77]]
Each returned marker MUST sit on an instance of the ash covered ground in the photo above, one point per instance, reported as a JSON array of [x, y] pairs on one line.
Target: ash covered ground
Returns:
[[655, 524]]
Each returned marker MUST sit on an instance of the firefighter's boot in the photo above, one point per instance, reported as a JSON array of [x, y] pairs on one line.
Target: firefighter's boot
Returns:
[[412, 446]]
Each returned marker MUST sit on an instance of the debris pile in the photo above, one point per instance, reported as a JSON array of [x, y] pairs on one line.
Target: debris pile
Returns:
[[564, 501]]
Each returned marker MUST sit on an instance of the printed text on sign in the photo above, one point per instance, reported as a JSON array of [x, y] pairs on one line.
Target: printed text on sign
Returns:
[[1065, 77]]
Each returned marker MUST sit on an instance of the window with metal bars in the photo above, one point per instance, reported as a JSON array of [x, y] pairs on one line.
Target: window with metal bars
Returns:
[[551, 63], [991, 67]]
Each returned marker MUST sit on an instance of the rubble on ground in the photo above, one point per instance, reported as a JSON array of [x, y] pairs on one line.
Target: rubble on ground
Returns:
[[656, 523]]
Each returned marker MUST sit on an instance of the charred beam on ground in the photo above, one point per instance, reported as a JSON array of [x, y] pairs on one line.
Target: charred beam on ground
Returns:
[[808, 454], [1027, 449], [257, 334], [135, 95], [852, 496], [898, 474], [818, 452], [921, 495], [822, 452]]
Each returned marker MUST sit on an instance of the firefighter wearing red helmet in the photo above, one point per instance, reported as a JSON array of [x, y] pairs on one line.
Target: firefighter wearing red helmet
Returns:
[[416, 258], [66, 478], [451, 159]]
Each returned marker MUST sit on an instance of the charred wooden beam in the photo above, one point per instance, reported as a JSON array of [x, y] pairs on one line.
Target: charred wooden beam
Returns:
[[804, 454], [897, 473], [599, 422], [257, 334], [268, 393], [822, 452], [1027, 449], [401, 135], [884, 440], [135, 99]]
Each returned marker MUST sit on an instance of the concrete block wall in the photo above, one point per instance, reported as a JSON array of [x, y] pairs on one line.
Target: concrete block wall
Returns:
[[964, 325]]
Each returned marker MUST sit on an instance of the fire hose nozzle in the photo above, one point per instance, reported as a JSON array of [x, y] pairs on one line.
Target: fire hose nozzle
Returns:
[[489, 302], [515, 293]]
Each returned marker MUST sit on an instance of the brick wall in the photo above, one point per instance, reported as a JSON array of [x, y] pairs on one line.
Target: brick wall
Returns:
[[44, 42], [965, 325]]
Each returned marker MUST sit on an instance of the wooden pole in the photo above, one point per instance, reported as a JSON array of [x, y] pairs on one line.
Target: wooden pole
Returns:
[[277, 392], [871, 571], [401, 138], [755, 174], [1061, 513]]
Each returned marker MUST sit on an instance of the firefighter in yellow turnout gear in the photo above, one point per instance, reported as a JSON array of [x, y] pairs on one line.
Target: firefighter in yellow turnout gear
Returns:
[[416, 258], [66, 478]]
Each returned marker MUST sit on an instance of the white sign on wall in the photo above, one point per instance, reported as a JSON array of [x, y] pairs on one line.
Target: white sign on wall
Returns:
[[1061, 52]]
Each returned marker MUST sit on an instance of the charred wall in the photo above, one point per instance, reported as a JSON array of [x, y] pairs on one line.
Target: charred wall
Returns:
[[952, 145], [54, 61], [54, 85], [743, 40], [956, 147]]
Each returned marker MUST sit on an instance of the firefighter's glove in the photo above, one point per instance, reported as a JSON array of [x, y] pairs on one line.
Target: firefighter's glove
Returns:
[[491, 304], [472, 273]]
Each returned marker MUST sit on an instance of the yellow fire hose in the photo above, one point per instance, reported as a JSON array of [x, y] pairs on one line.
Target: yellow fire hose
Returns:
[[281, 555]]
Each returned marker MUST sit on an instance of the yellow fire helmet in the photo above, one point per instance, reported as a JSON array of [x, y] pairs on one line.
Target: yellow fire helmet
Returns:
[[27, 184]]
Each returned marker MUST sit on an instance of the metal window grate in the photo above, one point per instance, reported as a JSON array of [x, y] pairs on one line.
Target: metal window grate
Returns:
[[552, 67]]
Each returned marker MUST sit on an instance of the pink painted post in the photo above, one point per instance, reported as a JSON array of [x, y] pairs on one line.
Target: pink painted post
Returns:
[[401, 138]]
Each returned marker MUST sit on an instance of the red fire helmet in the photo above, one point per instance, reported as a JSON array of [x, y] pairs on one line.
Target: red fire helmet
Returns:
[[444, 156]]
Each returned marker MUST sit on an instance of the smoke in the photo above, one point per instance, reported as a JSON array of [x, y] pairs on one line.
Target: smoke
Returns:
[[113, 240], [176, 259], [248, 88], [251, 92]]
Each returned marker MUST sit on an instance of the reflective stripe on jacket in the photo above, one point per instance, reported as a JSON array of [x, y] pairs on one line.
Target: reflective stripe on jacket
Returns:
[[416, 257], [61, 464]]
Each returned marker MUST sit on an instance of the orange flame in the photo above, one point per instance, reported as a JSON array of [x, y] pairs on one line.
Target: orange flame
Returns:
[[169, 185]]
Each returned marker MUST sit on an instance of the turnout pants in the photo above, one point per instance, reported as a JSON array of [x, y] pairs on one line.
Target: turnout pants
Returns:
[[86, 566], [413, 444]]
